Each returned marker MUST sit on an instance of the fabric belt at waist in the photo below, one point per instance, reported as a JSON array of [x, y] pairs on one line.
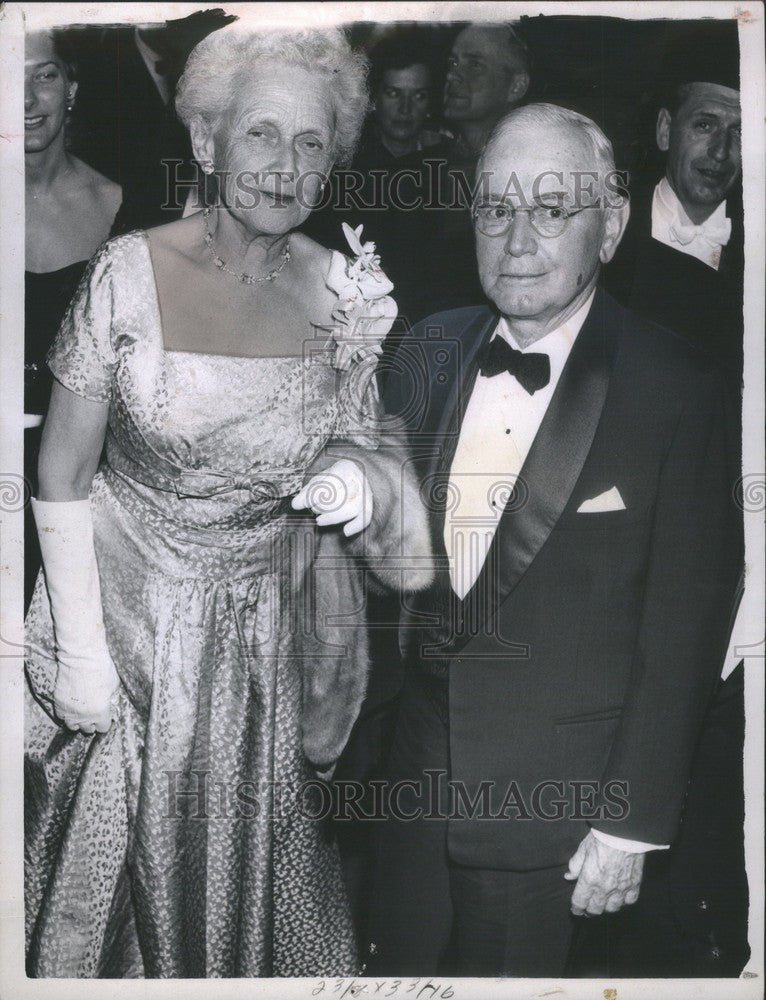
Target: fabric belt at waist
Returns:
[[263, 484]]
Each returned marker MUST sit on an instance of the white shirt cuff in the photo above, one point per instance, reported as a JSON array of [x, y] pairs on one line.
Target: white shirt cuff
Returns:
[[738, 641], [630, 846]]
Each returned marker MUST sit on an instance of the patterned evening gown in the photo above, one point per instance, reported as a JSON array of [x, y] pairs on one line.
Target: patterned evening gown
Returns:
[[172, 845]]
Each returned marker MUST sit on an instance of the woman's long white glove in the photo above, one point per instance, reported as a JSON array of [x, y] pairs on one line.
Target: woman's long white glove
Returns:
[[86, 680]]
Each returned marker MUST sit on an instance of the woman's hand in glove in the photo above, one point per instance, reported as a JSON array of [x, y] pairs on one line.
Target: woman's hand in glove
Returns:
[[84, 694], [338, 495], [86, 679]]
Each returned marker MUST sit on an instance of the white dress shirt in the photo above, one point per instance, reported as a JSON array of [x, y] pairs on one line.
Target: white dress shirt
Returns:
[[673, 227], [500, 423]]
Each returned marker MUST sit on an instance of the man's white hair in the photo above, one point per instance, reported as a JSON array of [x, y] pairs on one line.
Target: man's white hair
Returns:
[[209, 81], [551, 115]]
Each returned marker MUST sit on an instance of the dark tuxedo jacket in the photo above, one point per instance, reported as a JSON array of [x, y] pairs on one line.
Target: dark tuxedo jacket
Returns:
[[678, 291], [702, 881], [589, 646], [131, 131]]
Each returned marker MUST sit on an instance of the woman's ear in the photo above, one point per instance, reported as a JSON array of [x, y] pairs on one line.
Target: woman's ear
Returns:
[[203, 142]]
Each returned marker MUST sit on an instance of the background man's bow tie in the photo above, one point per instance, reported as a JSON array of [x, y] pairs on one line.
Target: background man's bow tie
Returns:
[[716, 233], [532, 371]]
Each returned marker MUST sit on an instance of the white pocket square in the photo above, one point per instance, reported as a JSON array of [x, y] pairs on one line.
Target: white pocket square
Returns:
[[611, 500]]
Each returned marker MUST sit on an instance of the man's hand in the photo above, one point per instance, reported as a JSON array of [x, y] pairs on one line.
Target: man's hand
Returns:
[[339, 495], [607, 878]]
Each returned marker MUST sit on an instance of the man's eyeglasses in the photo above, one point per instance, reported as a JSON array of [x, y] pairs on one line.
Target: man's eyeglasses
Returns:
[[495, 218]]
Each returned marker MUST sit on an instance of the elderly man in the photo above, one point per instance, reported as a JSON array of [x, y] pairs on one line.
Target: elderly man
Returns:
[[558, 670], [487, 75]]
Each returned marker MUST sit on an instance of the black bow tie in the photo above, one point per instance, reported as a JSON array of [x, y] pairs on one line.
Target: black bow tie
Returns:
[[532, 371]]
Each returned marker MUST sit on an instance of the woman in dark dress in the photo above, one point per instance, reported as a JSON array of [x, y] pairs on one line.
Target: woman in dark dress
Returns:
[[70, 209]]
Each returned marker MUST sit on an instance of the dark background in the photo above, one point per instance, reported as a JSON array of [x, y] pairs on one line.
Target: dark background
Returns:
[[609, 69]]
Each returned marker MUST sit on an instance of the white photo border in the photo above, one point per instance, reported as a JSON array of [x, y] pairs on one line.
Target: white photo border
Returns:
[[14, 17]]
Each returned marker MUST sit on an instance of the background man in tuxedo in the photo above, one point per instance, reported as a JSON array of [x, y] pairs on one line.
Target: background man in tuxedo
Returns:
[[682, 262], [576, 459], [683, 267], [129, 78]]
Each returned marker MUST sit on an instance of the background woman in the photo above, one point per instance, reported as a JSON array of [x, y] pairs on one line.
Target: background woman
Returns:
[[70, 209], [229, 360], [403, 82]]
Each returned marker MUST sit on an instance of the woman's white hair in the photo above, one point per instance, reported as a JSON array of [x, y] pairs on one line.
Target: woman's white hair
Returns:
[[211, 73]]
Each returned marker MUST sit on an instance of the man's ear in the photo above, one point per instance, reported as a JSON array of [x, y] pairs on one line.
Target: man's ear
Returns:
[[616, 221], [518, 88], [203, 143], [663, 129]]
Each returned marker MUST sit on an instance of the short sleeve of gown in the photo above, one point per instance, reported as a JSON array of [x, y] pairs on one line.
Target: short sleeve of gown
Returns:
[[82, 357]]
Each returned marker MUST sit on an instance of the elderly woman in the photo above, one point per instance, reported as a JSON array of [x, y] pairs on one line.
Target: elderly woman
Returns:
[[197, 649]]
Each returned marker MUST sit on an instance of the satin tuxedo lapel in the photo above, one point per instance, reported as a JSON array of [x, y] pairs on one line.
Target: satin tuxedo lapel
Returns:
[[430, 615], [556, 458]]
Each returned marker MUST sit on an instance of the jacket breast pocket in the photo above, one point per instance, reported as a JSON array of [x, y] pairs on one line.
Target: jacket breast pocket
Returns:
[[584, 718], [603, 520]]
